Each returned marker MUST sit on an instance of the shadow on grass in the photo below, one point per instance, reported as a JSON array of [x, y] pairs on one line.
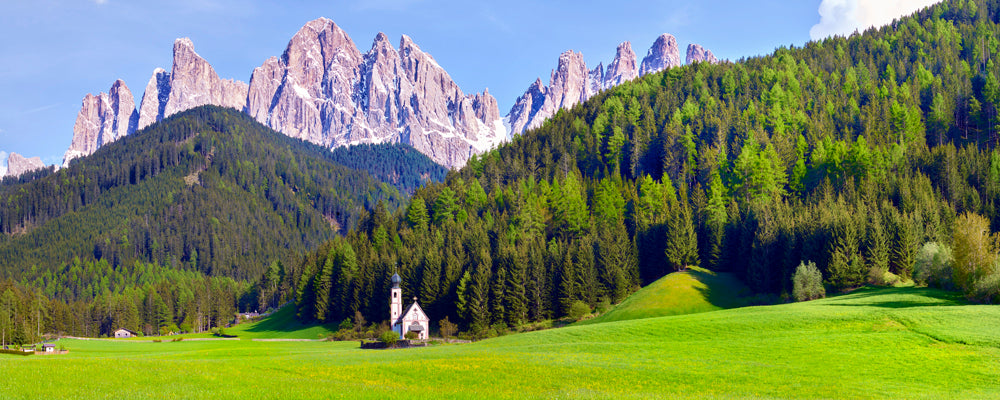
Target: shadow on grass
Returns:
[[724, 290], [857, 297], [897, 304], [281, 321]]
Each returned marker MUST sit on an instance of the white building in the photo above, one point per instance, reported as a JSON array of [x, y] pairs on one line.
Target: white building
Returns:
[[413, 320], [124, 333]]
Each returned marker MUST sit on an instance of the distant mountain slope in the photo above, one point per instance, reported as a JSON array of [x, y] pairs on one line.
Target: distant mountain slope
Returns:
[[209, 190], [398, 164]]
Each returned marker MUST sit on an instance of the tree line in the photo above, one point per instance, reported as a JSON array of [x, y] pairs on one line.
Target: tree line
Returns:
[[850, 153]]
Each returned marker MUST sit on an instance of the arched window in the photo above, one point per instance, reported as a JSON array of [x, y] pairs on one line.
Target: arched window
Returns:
[[394, 294]]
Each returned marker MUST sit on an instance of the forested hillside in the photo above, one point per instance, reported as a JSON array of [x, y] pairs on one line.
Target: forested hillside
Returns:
[[848, 152], [131, 235], [396, 163]]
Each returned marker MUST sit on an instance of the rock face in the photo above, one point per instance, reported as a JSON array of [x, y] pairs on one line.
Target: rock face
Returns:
[[324, 90], [662, 55], [623, 68], [191, 83], [154, 100], [17, 164], [571, 83], [102, 119], [696, 53]]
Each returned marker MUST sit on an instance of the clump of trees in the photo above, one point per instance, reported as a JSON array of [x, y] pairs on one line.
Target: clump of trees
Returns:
[[807, 282], [975, 269]]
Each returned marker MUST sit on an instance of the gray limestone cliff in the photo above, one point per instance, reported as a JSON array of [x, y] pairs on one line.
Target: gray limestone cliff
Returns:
[[571, 83], [102, 119], [17, 164]]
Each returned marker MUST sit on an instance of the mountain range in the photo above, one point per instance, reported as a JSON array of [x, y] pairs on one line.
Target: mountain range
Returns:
[[324, 90]]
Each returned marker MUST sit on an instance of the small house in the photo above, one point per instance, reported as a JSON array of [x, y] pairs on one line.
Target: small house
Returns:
[[48, 348], [125, 333]]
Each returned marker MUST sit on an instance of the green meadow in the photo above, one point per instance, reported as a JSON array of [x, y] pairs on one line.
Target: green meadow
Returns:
[[873, 343]]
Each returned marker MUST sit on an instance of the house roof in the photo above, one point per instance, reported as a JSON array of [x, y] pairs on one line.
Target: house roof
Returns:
[[48, 345], [126, 330], [415, 327]]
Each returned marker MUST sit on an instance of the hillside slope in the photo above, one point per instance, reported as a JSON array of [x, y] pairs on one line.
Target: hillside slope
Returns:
[[686, 292]]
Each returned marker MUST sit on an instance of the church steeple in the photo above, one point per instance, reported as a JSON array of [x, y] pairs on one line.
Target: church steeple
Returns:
[[395, 300]]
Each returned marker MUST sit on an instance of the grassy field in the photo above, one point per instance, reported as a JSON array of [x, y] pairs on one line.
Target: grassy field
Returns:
[[693, 291], [873, 343]]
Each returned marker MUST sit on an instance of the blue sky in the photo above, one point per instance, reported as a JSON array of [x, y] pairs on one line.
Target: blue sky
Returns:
[[53, 52]]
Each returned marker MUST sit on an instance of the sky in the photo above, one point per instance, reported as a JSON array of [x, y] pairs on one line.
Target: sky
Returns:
[[54, 52]]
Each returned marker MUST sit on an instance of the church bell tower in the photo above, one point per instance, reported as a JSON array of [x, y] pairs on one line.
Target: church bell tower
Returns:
[[395, 301]]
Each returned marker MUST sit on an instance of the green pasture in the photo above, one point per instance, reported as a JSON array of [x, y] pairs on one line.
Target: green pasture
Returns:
[[889, 343]]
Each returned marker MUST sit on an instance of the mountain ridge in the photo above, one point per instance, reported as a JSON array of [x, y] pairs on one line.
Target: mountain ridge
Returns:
[[323, 89]]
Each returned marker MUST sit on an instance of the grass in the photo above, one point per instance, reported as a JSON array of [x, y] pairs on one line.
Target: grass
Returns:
[[891, 343], [281, 324], [687, 292]]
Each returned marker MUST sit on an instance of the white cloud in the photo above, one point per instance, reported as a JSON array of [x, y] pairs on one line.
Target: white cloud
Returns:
[[843, 17], [3, 163], [100, 2]]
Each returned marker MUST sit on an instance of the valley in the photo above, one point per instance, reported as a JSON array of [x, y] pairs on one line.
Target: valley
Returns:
[[875, 343], [822, 221]]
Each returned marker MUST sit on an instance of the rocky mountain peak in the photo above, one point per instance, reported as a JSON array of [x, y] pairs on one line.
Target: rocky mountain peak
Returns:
[[662, 55], [571, 83], [193, 82], [102, 119], [154, 99], [696, 53], [623, 68], [18, 164]]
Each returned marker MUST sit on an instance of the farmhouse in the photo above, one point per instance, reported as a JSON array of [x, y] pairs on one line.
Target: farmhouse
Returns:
[[413, 320], [124, 333], [49, 348]]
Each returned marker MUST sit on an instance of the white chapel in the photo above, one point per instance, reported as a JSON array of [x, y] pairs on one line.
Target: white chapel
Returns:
[[413, 320]]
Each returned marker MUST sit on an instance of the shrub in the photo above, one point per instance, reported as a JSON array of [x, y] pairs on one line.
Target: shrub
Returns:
[[987, 289], [933, 266], [411, 335], [345, 325], [878, 276], [389, 338], [807, 282], [578, 309], [448, 328]]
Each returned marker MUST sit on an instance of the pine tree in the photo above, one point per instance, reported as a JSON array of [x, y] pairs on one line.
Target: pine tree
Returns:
[[417, 213], [682, 240]]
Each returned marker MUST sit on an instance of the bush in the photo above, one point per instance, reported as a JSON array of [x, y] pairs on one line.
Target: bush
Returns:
[[933, 266], [389, 338], [411, 335], [578, 309], [447, 328], [987, 289], [807, 282]]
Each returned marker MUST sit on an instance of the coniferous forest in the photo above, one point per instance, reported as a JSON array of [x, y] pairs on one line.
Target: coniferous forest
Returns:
[[169, 227], [850, 153], [872, 157]]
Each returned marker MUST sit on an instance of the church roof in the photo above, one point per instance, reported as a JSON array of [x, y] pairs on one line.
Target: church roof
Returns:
[[395, 281], [407, 312]]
